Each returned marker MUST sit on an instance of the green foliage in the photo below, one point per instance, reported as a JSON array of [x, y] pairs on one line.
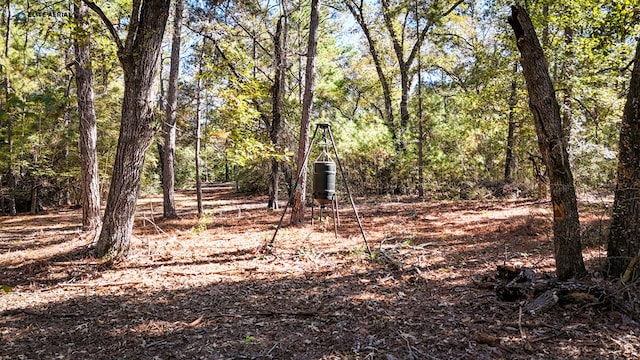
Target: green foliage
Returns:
[[594, 167], [150, 183], [185, 168], [203, 222], [467, 71], [249, 339], [251, 178], [369, 157], [41, 107]]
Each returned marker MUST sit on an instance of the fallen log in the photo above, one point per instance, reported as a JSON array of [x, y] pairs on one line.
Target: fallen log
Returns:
[[539, 295]]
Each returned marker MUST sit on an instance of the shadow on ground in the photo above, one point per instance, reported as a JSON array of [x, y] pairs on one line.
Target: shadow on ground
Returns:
[[314, 297]]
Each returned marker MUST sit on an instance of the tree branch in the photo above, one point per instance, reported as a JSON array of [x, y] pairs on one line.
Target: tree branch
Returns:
[[217, 48], [459, 37], [107, 23], [451, 75], [251, 35], [397, 46], [453, 7], [424, 31]]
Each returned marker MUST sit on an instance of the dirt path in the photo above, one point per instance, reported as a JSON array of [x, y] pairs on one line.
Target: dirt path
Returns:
[[202, 289]]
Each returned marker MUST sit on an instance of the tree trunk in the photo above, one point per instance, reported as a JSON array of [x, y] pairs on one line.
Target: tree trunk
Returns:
[[197, 150], [278, 90], [34, 198], [36, 178], [404, 103], [2, 200], [513, 101], [64, 196], [546, 113], [420, 121], [139, 60], [624, 237], [160, 148], [404, 75], [169, 126], [11, 176], [5, 105], [88, 137], [197, 156], [297, 209]]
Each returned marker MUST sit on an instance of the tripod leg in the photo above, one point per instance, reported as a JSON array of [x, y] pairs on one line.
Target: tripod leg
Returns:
[[346, 185], [335, 223], [337, 211]]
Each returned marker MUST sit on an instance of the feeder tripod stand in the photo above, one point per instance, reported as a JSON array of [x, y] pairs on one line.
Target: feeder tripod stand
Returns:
[[326, 131]]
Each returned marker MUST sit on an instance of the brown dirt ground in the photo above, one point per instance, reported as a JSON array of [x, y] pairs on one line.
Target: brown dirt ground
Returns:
[[202, 289]]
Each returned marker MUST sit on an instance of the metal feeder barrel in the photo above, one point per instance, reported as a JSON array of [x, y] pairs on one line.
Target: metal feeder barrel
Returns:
[[324, 181]]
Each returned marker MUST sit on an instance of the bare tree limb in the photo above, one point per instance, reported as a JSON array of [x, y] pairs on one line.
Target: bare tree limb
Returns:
[[453, 7], [112, 30], [220, 52]]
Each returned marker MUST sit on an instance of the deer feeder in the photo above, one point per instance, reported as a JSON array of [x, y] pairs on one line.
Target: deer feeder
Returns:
[[324, 182]]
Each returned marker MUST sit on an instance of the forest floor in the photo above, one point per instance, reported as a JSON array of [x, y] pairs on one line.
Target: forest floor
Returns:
[[206, 289]]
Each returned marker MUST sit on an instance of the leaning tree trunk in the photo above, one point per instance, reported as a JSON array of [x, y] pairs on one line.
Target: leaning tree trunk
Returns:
[[139, 59], [169, 126], [624, 237], [546, 113], [297, 209], [90, 181]]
